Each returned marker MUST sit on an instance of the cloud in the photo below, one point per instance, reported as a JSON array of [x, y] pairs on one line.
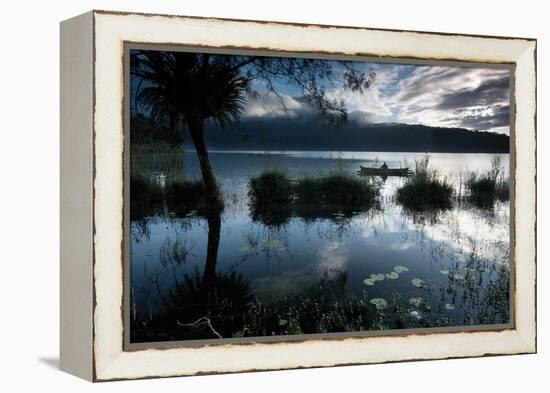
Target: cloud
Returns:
[[474, 98], [489, 92], [271, 105], [464, 97]]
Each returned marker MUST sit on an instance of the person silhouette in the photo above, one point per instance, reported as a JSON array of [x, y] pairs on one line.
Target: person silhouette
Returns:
[[384, 165]]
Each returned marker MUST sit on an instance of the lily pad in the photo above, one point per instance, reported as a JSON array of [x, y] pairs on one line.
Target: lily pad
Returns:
[[416, 301], [379, 303], [449, 306], [400, 269], [392, 276], [368, 281], [444, 272], [274, 245], [458, 276], [417, 282], [282, 322], [377, 276]]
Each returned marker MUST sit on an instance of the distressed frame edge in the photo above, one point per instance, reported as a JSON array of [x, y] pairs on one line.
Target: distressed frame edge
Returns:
[[527, 339], [76, 196]]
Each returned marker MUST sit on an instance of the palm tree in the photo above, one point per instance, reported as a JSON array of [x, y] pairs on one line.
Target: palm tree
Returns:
[[192, 88]]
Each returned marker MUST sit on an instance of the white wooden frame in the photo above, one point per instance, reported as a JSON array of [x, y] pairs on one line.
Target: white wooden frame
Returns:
[[92, 141]]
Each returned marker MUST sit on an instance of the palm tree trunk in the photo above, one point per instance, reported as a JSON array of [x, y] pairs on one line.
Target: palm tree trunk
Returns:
[[214, 229], [213, 196]]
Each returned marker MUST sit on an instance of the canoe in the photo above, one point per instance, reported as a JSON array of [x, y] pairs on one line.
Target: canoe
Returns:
[[385, 172]]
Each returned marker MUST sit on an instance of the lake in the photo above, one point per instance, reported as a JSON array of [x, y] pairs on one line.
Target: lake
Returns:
[[385, 268]]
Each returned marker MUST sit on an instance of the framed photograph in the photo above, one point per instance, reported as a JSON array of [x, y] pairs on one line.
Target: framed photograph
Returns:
[[245, 195]]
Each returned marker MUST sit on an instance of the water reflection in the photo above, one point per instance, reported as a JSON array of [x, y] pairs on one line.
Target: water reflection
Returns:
[[235, 273]]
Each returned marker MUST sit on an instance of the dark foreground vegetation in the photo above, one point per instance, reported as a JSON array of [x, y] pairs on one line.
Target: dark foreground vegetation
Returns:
[[425, 190], [225, 307], [149, 197], [275, 197]]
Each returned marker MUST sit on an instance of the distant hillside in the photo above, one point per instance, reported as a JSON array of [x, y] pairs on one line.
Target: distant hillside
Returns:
[[314, 135], [288, 135]]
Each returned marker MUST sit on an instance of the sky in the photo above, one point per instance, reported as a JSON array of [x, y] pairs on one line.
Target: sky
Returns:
[[464, 97]]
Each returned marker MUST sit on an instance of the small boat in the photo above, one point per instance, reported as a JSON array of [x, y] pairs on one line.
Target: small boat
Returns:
[[366, 171]]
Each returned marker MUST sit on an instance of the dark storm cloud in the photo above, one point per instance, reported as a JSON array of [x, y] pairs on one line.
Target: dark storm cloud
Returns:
[[496, 117], [490, 92]]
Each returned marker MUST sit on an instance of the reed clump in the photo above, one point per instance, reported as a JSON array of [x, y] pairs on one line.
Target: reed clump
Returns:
[[425, 190], [484, 189], [275, 197]]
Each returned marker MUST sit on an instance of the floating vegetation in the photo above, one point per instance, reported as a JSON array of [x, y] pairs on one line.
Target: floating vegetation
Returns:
[[392, 276], [456, 276], [377, 276], [283, 322], [449, 306], [418, 282], [444, 272], [400, 269], [273, 245], [379, 303], [416, 301], [368, 281]]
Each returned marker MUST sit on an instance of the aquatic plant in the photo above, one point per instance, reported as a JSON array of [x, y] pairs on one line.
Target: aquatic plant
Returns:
[[392, 276], [174, 253], [400, 269], [418, 282], [379, 302], [146, 198], [337, 190], [271, 188], [484, 189], [369, 281], [377, 276], [271, 196], [274, 197], [425, 190]]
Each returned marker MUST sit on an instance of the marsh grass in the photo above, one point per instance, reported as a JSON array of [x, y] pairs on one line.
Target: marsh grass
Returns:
[[275, 197], [148, 159], [425, 190], [483, 190], [146, 198], [177, 197]]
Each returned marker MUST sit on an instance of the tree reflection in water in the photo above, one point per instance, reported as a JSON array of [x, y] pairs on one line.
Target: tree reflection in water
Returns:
[[461, 263]]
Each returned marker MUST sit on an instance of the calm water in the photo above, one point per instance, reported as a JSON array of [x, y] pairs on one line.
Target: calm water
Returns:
[[459, 254]]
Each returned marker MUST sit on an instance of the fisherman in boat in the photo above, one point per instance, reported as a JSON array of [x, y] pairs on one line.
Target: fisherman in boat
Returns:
[[384, 166]]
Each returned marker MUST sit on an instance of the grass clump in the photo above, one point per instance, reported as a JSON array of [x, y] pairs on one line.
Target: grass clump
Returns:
[[271, 189], [274, 197], [337, 190], [177, 196], [483, 190], [271, 197], [146, 198], [184, 197], [424, 190]]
